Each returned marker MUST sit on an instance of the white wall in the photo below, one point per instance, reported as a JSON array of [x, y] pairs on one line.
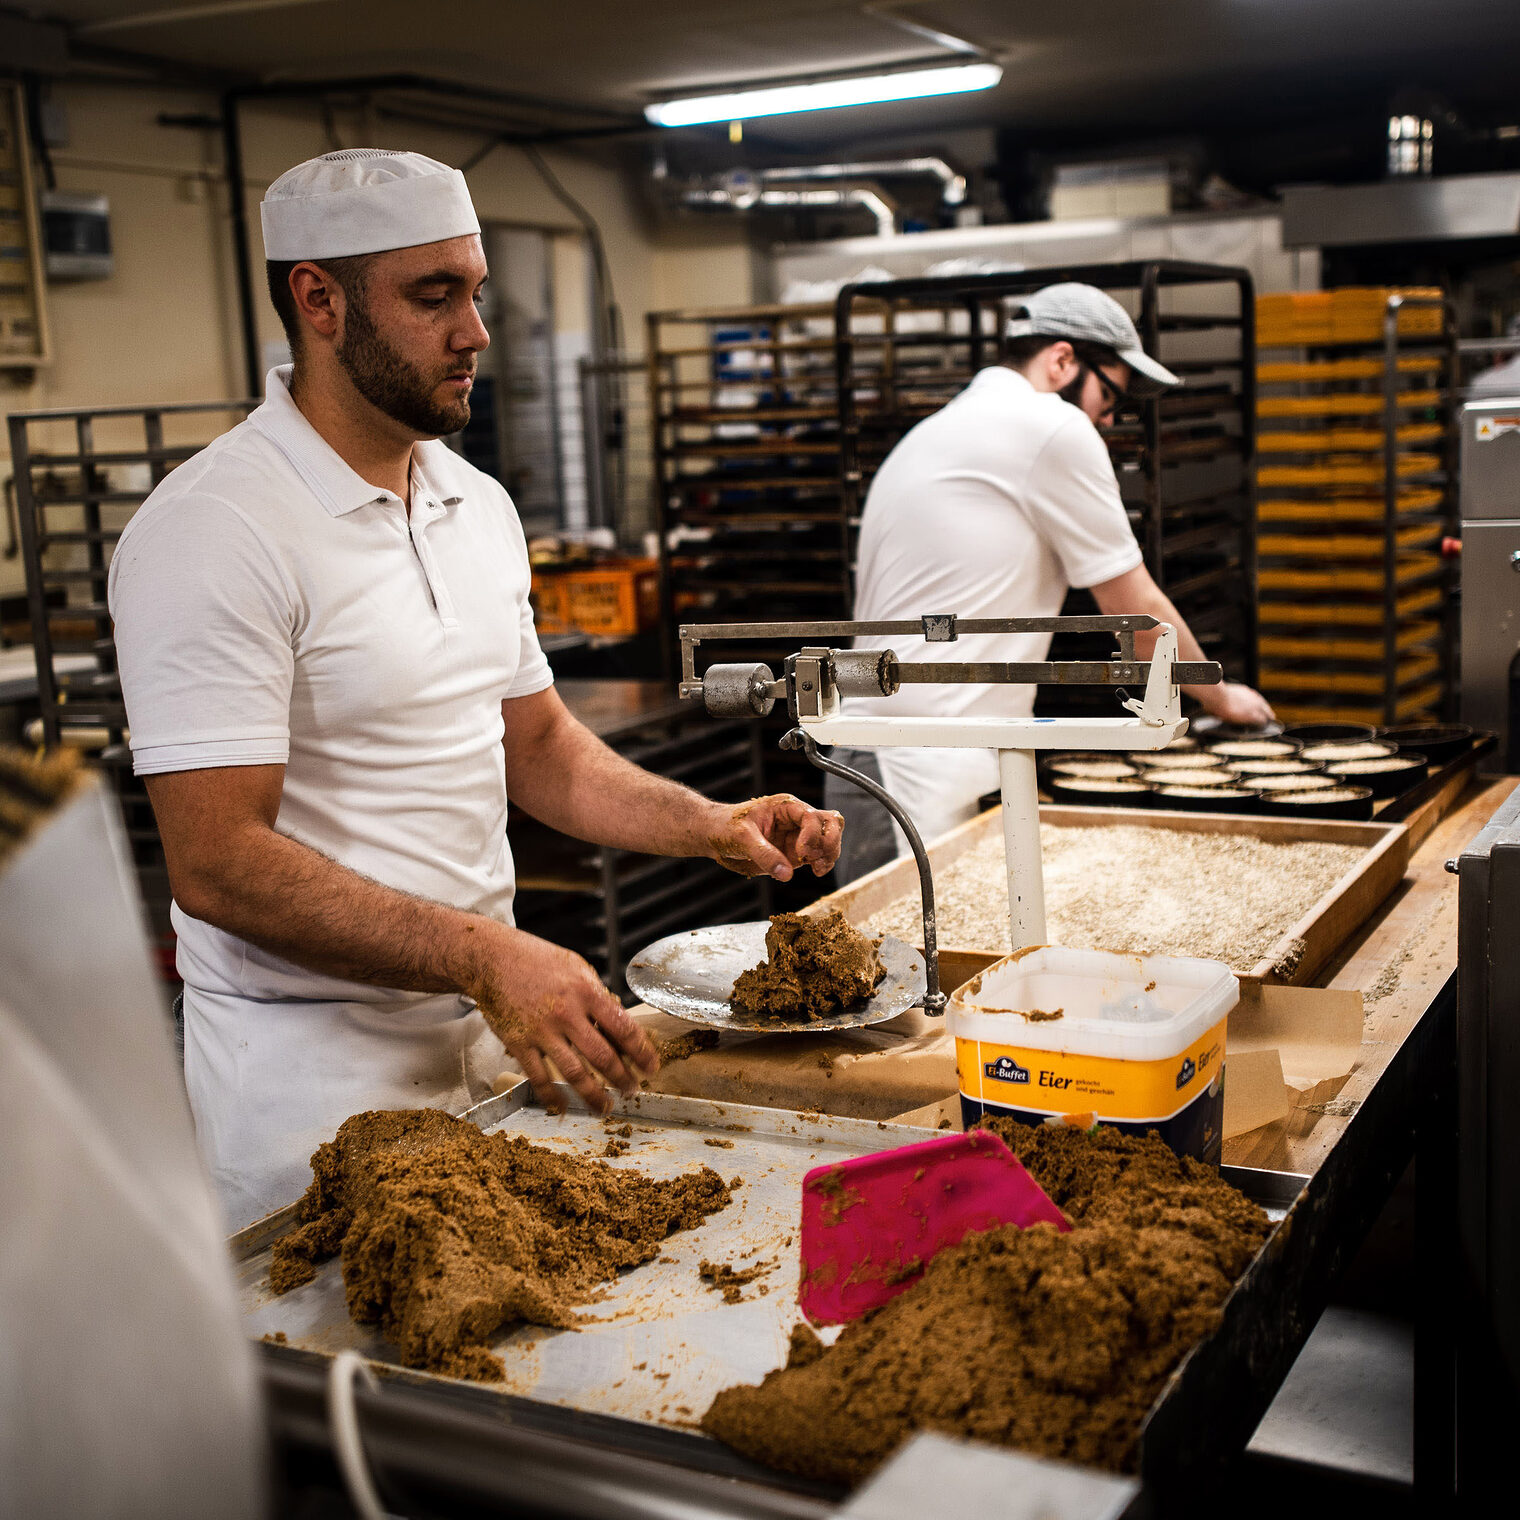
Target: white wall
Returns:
[[164, 327]]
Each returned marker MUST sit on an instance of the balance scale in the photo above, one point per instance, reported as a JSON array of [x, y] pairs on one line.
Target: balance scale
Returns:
[[685, 974]]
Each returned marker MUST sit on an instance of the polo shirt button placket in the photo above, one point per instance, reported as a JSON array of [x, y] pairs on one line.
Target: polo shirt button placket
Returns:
[[424, 514]]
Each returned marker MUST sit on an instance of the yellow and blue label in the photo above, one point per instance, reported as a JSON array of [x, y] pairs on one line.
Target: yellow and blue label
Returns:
[[1181, 1097]]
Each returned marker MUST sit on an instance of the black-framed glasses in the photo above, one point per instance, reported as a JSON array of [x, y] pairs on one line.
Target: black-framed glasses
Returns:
[[1115, 395]]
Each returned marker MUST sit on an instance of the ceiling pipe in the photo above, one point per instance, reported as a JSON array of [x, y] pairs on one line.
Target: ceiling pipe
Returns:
[[952, 185], [883, 210], [745, 196]]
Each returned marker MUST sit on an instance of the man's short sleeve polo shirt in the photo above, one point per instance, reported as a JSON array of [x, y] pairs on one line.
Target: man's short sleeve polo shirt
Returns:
[[272, 607], [992, 507]]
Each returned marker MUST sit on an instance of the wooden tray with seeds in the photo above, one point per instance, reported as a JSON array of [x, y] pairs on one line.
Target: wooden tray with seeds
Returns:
[[1295, 956]]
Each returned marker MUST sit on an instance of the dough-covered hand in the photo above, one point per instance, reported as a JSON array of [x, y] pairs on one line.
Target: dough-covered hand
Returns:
[[775, 836], [544, 1003], [1241, 705]]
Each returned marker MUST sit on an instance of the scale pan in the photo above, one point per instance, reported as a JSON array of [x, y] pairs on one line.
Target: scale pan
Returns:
[[692, 974]]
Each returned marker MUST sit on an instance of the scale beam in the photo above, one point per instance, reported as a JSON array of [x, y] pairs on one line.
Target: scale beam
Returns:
[[817, 677]]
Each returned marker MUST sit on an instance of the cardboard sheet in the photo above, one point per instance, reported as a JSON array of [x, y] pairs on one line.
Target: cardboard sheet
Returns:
[[946, 1115], [1316, 1032], [1287, 1047], [874, 1073], [1254, 1091]]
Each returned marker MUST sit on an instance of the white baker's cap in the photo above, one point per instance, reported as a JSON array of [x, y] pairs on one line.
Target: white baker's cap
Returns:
[[1070, 311], [363, 200]]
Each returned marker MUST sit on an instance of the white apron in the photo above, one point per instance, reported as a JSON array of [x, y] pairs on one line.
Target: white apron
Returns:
[[270, 1081], [938, 788]]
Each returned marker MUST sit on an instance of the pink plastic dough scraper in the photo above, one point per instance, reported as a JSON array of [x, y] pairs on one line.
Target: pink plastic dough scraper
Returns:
[[871, 1224]]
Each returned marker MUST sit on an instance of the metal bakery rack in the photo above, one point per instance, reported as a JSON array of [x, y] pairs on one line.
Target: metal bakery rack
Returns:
[[79, 476], [1357, 454], [744, 420], [1185, 461]]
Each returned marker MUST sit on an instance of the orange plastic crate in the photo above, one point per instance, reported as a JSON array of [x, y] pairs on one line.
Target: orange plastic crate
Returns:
[[616, 600], [550, 614]]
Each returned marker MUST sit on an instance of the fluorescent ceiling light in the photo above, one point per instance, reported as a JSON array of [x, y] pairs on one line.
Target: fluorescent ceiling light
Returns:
[[823, 95]]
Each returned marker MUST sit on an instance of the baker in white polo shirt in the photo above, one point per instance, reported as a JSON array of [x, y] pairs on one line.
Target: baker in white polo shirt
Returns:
[[996, 506], [334, 686]]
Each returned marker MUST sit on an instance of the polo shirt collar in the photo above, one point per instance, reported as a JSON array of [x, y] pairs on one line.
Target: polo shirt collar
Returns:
[[430, 473], [1000, 374], [333, 481]]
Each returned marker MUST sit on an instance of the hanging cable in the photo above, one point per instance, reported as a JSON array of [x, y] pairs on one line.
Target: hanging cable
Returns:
[[348, 1443]]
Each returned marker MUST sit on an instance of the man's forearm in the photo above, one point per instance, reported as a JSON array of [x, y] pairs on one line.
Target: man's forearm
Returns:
[[1159, 605], [575, 783], [293, 901]]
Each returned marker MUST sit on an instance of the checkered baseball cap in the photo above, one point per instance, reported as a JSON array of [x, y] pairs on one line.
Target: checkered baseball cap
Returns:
[[1075, 311]]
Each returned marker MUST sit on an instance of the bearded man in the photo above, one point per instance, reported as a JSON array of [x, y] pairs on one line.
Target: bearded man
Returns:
[[334, 685]]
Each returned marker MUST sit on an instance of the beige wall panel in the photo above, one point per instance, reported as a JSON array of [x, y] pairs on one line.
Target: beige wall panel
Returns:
[[164, 326]]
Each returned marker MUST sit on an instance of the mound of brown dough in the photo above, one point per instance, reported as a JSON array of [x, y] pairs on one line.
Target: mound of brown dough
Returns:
[[1056, 1344], [448, 1234], [813, 967]]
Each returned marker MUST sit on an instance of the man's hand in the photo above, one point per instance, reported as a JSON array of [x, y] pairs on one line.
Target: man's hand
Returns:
[[545, 1003], [1235, 703], [775, 836]]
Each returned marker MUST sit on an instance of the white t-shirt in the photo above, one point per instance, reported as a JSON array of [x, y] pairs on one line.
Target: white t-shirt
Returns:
[[993, 507], [272, 607]]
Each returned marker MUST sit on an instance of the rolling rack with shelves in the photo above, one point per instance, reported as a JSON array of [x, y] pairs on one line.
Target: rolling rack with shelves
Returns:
[[744, 421], [1355, 496], [1184, 461], [80, 474]]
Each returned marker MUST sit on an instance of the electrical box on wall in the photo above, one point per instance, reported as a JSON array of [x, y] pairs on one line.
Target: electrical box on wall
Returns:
[[76, 233]]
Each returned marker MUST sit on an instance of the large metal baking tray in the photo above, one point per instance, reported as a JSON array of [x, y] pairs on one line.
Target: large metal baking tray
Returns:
[[664, 1316], [661, 1343]]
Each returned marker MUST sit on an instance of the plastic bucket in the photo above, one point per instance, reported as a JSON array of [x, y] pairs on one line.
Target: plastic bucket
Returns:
[[1090, 1036]]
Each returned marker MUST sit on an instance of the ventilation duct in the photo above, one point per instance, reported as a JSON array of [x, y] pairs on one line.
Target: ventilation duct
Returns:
[[952, 185], [746, 195], [815, 187]]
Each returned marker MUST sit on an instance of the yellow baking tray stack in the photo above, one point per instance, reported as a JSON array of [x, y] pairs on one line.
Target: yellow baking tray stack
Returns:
[[1352, 582]]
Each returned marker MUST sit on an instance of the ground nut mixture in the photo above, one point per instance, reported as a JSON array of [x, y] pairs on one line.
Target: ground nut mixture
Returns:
[[1142, 891], [1198, 775], [1175, 759], [1373, 767], [1255, 749], [1112, 770], [450, 1237], [1053, 1343], [1303, 781]]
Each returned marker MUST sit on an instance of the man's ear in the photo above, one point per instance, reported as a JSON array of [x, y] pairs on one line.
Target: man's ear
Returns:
[[1060, 356], [318, 298]]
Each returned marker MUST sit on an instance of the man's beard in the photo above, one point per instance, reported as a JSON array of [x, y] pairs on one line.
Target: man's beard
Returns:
[[392, 383], [1071, 391]]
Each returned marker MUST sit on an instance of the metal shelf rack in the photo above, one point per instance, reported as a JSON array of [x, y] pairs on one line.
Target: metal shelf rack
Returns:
[[745, 428], [744, 419], [1357, 454], [80, 475], [1185, 461]]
